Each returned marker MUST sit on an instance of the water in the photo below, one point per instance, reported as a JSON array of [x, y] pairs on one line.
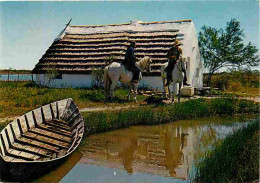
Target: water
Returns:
[[160, 153], [17, 77]]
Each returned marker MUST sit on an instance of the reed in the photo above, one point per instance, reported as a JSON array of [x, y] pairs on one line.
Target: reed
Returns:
[[235, 159]]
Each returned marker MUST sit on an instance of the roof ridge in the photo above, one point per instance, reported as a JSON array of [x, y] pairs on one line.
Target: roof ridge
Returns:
[[155, 22]]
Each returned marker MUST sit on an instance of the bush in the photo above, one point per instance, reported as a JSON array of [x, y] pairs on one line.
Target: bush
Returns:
[[247, 106], [222, 106], [234, 86]]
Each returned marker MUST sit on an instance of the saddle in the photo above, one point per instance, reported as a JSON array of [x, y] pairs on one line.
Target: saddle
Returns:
[[135, 71]]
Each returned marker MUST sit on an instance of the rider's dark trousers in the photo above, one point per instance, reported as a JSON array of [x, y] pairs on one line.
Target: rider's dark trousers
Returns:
[[136, 72], [169, 69]]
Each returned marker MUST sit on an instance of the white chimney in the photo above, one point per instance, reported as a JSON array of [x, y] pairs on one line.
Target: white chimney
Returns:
[[135, 22]]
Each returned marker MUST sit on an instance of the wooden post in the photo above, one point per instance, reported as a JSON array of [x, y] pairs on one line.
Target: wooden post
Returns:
[[8, 75], [32, 76], [18, 77]]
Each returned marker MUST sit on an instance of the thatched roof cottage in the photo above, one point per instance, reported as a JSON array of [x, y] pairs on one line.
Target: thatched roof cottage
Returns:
[[80, 49]]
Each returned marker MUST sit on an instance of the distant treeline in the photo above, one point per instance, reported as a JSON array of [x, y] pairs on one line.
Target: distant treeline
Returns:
[[14, 71]]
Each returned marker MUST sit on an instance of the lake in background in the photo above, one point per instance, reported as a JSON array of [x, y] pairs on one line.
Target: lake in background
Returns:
[[17, 77]]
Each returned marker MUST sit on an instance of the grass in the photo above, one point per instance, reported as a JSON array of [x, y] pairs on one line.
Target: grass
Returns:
[[235, 159], [150, 115], [20, 97], [3, 124]]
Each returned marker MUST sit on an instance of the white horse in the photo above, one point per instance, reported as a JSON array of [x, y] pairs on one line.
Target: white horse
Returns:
[[177, 77], [117, 72]]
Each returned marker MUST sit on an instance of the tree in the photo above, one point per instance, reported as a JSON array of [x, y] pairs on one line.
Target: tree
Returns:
[[225, 48], [97, 76], [50, 75]]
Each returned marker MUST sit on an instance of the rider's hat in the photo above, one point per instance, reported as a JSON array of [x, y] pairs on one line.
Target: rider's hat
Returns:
[[177, 42]]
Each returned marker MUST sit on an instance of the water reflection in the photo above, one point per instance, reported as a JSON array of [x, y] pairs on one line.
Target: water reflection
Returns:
[[57, 174], [167, 150], [126, 153]]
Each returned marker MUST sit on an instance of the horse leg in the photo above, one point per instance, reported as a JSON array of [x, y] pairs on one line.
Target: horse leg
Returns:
[[174, 91], [172, 94], [107, 83], [130, 91], [168, 92], [111, 90], [179, 94], [135, 91], [164, 87]]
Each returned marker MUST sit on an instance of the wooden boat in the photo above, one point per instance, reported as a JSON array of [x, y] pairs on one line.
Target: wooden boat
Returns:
[[40, 140]]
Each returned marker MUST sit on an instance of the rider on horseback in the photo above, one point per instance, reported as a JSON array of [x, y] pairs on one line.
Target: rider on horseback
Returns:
[[129, 62], [174, 54]]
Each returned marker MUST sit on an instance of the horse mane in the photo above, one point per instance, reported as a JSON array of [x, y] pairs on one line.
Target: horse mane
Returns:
[[142, 61]]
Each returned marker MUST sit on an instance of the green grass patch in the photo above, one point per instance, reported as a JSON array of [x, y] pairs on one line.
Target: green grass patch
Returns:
[[235, 159], [18, 98]]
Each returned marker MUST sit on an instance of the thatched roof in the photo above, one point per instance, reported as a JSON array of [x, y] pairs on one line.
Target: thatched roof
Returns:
[[79, 49]]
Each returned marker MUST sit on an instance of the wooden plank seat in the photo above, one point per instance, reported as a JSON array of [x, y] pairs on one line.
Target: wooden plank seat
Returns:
[[58, 125], [54, 130], [46, 140], [50, 135]]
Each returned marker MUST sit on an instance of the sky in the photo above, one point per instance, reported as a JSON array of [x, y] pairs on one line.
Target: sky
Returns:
[[27, 29]]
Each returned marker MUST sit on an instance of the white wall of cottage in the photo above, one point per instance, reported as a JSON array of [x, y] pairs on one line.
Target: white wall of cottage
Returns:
[[84, 80]]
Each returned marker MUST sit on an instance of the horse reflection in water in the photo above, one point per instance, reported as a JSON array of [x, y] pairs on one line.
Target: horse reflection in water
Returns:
[[128, 146], [173, 144]]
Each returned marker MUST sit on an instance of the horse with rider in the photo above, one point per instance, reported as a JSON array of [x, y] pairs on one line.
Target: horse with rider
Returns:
[[130, 61], [174, 55]]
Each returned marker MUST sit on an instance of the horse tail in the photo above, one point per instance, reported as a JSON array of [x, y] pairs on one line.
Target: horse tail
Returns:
[[107, 81]]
